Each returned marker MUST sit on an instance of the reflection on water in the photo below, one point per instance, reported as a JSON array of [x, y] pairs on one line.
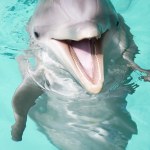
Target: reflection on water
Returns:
[[92, 122]]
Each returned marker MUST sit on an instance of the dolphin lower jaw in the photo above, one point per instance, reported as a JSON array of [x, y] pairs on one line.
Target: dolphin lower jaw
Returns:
[[91, 79], [65, 53]]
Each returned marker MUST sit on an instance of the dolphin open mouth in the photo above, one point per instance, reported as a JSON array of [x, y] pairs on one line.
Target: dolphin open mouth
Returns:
[[87, 62], [85, 56]]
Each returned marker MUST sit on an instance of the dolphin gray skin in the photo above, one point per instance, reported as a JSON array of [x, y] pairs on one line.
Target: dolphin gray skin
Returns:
[[77, 72]]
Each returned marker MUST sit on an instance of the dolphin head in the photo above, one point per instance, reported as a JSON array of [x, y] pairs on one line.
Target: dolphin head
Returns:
[[73, 30]]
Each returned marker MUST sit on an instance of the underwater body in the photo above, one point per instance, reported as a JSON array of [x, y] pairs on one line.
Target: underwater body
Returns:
[[73, 118]]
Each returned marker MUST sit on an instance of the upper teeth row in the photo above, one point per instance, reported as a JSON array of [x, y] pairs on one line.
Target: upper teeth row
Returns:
[[98, 37]]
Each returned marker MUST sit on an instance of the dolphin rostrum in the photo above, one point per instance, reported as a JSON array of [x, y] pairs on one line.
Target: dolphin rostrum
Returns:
[[77, 72]]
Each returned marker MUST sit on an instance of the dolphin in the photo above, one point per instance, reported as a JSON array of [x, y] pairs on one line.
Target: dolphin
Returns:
[[76, 76]]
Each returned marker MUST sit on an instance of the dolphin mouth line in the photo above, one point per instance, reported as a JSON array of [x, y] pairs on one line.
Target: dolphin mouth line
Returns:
[[86, 57]]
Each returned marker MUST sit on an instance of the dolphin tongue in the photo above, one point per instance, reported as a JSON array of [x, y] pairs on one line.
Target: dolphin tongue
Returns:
[[83, 51]]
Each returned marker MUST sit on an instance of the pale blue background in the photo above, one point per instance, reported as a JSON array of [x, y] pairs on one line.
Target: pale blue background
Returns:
[[13, 17]]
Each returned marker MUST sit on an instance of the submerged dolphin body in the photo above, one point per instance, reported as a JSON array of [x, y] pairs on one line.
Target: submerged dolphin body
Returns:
[[77, 71]]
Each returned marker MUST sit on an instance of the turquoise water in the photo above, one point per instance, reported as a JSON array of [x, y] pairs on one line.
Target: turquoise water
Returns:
[[13, 38]]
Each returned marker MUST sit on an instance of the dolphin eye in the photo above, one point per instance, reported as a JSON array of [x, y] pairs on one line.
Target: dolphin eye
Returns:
[[117, 23], [36, 34]]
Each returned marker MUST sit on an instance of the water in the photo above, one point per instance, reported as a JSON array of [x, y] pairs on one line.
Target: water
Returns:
[[13, 38]]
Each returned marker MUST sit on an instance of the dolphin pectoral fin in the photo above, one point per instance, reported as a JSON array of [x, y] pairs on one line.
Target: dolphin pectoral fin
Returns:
[[18, 128], [134, 66], [23, 100]]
